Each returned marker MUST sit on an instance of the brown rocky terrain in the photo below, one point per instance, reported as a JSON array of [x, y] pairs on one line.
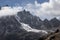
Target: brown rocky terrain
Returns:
[[52, 36]]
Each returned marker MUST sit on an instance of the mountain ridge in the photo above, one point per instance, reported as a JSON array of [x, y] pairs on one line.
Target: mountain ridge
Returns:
[[9, 25]]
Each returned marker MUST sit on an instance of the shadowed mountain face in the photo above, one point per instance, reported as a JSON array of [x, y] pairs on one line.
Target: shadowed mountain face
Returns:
[[9, 24], [47, 24], [36, 22], [33, 21], [55, 22], [10, 30], [52, 24]]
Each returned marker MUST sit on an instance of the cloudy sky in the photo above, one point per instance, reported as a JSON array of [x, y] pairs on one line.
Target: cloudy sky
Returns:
[[41, 8], [20, 2]]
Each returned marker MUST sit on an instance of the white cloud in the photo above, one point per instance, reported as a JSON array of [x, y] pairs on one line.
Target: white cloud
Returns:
[[47, 10], [9, 10], [29, 29]]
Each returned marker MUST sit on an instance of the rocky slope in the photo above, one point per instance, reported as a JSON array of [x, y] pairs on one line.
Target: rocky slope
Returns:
[[36, 22], [52, 36], [10, 26]]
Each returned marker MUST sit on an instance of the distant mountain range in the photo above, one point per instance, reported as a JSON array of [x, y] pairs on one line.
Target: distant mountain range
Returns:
[[36, 22], [12, 25]]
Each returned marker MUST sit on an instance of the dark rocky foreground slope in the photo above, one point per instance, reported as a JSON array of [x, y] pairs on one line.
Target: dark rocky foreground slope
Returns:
[[51, 36], [10, 28]]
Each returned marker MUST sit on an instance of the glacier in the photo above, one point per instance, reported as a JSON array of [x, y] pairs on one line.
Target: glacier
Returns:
[[29, 29]]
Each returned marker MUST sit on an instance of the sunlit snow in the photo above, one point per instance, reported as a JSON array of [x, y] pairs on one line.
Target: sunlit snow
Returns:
[[29, 29]]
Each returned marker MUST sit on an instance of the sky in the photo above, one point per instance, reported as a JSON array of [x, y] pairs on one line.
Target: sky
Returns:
[[45, 9], [20, 2]]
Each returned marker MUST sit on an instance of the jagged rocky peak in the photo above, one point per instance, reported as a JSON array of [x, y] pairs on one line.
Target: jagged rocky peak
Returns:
[[47, 24], [55, 22], [24, 13], [46, 20], [6, 5], [28, 18], [54, 19]]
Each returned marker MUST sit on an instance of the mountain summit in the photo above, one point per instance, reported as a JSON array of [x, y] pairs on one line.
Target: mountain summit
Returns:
[[28, 18]]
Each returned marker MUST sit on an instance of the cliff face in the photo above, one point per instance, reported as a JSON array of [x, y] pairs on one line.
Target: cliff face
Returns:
[[28, 18]]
